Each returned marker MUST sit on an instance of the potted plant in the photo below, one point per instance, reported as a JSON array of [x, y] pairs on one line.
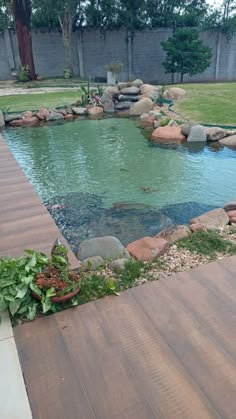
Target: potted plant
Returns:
[[34, 283], [112, 70], [68, 73]]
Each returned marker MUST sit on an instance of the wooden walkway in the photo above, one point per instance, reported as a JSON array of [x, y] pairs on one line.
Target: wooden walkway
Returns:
[[24, 220], [163, 350]]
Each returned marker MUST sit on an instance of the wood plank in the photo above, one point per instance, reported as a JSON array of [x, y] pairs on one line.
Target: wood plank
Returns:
[[55, 390], [209, 365]]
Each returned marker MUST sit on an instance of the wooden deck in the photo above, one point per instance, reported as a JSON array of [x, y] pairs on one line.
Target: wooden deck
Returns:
[[163, 350], [24, 220]]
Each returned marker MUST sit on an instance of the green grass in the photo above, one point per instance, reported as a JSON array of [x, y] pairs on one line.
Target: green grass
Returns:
[[209, 103], [35, 101], [47, 82], [207, 243]]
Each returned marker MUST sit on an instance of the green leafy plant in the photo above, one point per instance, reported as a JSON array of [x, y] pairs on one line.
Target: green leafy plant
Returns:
[[164, 122], [68, 73], [24, 74], [86, 96]]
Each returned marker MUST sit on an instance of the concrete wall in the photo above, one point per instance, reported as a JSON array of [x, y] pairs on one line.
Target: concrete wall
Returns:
[[97, 49]]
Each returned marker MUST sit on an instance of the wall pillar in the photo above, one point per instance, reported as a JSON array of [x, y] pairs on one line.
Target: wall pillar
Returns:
[[9, 49], [218, 53], [130, 58], [80, 54]]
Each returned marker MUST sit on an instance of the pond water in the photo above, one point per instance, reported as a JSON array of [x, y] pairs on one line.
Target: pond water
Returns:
[[101, 177]]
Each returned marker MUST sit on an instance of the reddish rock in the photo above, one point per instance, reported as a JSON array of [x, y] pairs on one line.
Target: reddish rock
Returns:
[[27, 115], [173, 234], [147, 120], [62, 111], [69, 116], [212, 220], [95, 110], [42, 114], [231, 214], [233, 220], [148, 248], [27, 122], [195, 228], [168, 134]]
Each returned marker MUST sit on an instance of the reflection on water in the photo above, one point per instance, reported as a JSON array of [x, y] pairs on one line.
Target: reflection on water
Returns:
[[94, 167]]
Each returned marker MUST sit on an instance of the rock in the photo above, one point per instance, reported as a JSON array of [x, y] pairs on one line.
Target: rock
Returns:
[[212, 220], [195, 228], [231, 214], [173, 234], [62, 111], [92, 263], [125, 98], [54, 116], [69, 116], [27, 115], [42, 114], [215, 133], [197, 134], [229, 141], [157, 115], [172, 123], [130, 90], [185, 128], [123, 106], [112, 90], [175, 93], [137, 83], [122, 85], [2, 121], [107, 247], [27, 122], [168, 134], [95, 110], [230, 206], [146, 119], [118, 265], [79, 110], [233, 220], [147, 89], [230, 132], [156, 123], [107, 98], [10, 118], [142, 106], [147, 248]]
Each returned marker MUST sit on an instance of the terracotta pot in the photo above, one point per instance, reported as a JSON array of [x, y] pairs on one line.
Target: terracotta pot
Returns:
[[63, 299]]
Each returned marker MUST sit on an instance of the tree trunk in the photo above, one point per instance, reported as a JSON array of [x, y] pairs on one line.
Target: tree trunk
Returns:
[[172, 78], [182, 77], [22, 12], [66, 27]]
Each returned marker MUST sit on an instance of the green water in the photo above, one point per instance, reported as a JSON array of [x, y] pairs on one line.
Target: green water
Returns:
[[112, 159]]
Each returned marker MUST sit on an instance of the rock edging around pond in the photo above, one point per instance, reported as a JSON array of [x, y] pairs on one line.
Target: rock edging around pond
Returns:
[[93, 253]]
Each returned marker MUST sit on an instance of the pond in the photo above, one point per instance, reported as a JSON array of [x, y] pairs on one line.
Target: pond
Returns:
[[102, 177]]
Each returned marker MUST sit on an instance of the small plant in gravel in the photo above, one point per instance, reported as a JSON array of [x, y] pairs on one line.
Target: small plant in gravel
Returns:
[[208, 243]]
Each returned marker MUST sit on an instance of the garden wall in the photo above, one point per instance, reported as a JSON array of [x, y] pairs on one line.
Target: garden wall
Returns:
[[141, 54]]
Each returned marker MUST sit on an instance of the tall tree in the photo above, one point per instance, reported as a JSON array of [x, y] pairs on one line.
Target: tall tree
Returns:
[[186, 53], [22, 12]]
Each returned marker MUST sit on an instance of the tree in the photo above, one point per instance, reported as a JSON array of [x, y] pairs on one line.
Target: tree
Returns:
[[22, 12], [186, 53]]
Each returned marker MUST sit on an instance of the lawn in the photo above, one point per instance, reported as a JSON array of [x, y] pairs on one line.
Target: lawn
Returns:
[[35, 101], [209, 103]]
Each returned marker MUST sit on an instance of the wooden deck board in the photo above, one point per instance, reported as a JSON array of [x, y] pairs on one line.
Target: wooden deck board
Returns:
[[164, 350], [24, 220]]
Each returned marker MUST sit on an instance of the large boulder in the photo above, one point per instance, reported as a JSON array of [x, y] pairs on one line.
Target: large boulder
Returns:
[[107, 247], [215, 133], [42, 114], [122, 85], [121, 106], [173, 234], [168, 134], [230, 206], [79, 110], [54, 116], [12, 117], [148, 248], [107, 98], [185, 128], [96, 110], [142, 106], [118, 265], [25, 122], [92, 263], [175, 93], [197, 134], [2, 121], [229, 141], [212, 220], [147, 89], [133, 90], [137, 83]]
